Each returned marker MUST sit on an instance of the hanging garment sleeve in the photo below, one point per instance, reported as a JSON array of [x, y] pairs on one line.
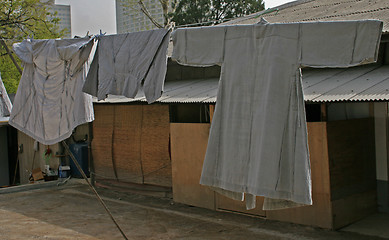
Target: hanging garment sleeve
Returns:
[[199, 46], [340, 44]]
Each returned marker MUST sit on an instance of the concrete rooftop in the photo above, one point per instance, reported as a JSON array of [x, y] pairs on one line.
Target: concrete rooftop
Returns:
[[72, 212]]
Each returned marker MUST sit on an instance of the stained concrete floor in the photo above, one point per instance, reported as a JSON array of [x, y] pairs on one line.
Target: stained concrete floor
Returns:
[[72, 212], [374, 225]]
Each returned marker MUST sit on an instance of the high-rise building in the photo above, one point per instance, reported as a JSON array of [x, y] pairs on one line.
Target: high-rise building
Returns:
[[63, 13], [129, 18]]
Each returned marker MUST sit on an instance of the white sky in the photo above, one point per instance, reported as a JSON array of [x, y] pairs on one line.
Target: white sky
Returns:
[[93, 15], [275, 3]]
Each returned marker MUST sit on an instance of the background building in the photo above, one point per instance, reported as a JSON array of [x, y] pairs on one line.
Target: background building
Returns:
[[63, 13], [131, 18]]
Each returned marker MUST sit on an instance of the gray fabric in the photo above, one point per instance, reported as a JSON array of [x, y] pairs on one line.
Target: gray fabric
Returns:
[[258, 138], [5, 103], [124, 63], [49, 102]]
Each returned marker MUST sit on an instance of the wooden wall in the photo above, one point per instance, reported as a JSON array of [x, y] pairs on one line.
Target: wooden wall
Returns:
[[131, 143], [320, 213], [189, 143], [30, 159], [342, 168], [352, 169]]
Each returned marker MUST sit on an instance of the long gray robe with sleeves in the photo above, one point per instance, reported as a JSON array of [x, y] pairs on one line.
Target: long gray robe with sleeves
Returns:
[[258, 138], [49, 102]]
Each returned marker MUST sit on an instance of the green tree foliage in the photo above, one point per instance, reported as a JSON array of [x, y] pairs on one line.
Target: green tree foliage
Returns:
[[198, 11], [212, 11], [9, 74], [20, 19], [187, 11]]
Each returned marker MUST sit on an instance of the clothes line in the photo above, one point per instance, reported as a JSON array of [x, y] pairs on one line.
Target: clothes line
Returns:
[[258, 138]]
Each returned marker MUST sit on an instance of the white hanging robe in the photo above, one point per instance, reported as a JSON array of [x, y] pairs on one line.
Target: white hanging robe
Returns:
[[5, 103], [258, 138], [49, 102]]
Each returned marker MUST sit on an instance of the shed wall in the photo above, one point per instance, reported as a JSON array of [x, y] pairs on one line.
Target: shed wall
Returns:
[[4, 168], [188, 145], [188, 151], [30, 159], [351, 151], [131, 144]]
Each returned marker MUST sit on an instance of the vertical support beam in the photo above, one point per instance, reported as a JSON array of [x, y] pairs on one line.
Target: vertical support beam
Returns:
[[211, 111], [323, 110], [381, 146], [371, 109]]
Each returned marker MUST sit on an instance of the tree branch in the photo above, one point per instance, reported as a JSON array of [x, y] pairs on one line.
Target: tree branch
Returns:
[[146, 12], [11, 56]]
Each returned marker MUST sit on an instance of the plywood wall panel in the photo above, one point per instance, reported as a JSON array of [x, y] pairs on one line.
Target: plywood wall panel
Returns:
[[352, 157], [352, 167], [188, 146], [353, 208], [224, 203], [320, 213]]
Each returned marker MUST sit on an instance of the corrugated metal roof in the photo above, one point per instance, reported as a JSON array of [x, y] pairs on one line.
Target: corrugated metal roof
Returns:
[[363, 83], [367, 83], [319, 10], [183, 91]]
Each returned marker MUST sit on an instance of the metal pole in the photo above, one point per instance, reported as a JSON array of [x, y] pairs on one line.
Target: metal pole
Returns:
[[93, 189]]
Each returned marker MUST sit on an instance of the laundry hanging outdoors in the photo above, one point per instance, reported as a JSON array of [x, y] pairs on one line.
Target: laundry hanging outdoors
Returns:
[[5, 103], [49, 102], [258, 138], [125, 63]]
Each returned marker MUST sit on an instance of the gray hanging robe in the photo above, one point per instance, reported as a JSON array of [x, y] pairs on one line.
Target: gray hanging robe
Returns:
[[49, 102], [258, 138], [5, 103], [124, 63]]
